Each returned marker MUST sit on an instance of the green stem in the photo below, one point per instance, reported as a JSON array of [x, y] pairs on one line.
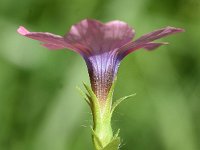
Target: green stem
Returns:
[[102, 128]]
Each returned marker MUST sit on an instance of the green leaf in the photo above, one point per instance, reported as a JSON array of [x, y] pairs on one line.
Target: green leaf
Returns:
[[113, 145], [117, 102]]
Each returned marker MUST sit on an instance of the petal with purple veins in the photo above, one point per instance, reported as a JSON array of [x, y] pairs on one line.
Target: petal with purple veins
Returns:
[[49, 40], [146, 41], [152, 46], [97, 37]]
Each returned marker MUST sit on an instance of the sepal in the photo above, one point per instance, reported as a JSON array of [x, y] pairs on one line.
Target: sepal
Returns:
[[113, 145], [84, 95], [117, 102], [102, 112], [98, 143]]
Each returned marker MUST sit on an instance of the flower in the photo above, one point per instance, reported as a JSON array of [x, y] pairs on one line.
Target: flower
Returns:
[[102, 46]]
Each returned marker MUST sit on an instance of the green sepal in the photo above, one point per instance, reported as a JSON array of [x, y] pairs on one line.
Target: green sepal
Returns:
[[90, 92], [102, 133], [117, 102], [94, 103], [91, 96], [84, 95], [113, 145], [110, 95], [116, 134], [99, 144]]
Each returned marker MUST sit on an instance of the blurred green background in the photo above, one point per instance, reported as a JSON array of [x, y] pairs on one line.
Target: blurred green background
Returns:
[[40, 108]]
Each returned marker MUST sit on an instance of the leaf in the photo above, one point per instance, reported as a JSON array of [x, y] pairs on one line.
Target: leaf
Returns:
[[113, 145], [117, 102]]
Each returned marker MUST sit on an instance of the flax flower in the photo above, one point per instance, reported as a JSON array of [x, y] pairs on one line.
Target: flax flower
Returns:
[[103, 46]]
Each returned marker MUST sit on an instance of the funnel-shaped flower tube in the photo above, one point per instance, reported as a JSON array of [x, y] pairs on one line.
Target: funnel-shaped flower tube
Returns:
[[102, 46]]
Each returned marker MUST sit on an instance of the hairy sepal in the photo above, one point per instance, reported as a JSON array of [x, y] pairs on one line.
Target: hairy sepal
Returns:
[[102, 133]]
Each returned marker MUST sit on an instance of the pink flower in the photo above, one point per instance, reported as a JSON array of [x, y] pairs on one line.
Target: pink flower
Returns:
[[102, 46]]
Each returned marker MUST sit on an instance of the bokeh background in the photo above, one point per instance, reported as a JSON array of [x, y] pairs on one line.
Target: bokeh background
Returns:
[[40, 108]]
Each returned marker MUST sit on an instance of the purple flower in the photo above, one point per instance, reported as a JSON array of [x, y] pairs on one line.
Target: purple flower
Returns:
[[102, 46]]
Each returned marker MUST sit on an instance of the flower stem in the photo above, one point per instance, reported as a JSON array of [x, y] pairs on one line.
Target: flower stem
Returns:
[[103, 133]]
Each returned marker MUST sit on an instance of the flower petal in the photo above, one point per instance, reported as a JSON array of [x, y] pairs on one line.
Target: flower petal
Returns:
[[50, 41], [152, 45], [146, 40], [157, 34], [52, 46], [118, 32], [97, 37]]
